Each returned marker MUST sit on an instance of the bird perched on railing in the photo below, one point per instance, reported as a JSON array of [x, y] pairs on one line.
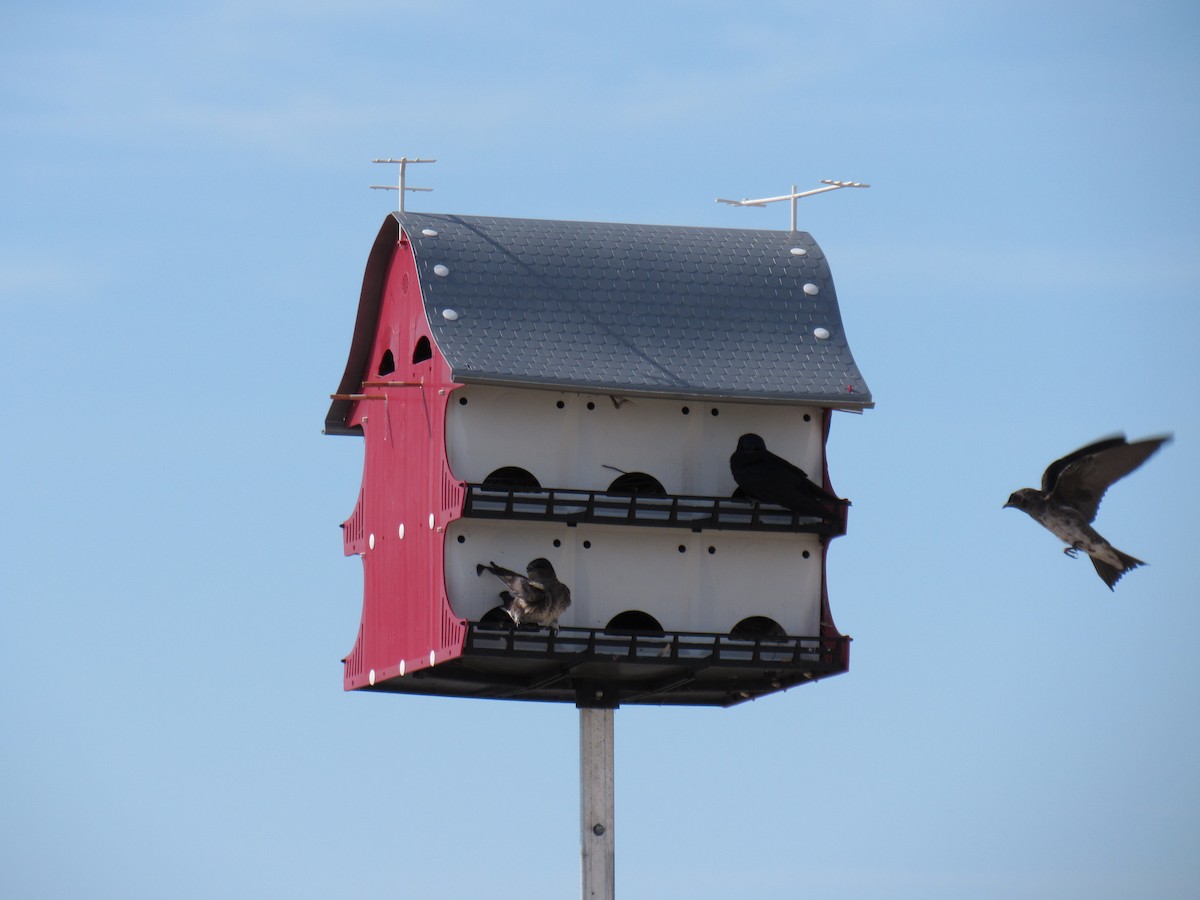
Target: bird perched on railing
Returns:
[[537, 597], [763, 476], [1072, 488]]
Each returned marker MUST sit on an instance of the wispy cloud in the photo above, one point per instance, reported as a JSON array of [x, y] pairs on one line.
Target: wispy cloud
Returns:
[[39, 278]]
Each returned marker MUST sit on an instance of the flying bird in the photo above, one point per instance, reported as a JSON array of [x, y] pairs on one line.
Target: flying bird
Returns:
[[537, 597], [1072, 488], [763, 476]]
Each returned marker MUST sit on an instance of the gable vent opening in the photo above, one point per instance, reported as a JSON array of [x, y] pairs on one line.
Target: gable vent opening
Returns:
[[422, 351], [509, 478], [495, 618], [634, 621], [387, 363], [757, 627], [637, 483]]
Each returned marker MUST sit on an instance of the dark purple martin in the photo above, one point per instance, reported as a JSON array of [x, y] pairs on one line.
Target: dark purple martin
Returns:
[[1072, 488], [763, 476], [537, 597]]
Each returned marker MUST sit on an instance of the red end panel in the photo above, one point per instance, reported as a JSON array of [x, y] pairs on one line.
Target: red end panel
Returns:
[[829, 630], [454, 492], [408, 494], [354, 539], [843, 511]]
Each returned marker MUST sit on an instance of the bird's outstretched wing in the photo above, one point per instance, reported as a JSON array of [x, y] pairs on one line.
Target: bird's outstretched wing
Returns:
[[514, 581], [1080, 479], [1050, 476]]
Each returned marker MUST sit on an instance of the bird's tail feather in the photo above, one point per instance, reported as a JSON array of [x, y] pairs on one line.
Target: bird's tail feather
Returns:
[[1111, 574]]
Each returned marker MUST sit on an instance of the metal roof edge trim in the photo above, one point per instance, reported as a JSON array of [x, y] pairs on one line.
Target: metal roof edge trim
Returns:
[[580, 387]]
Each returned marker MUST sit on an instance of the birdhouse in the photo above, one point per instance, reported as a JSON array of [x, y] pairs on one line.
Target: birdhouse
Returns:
[[572, 393]]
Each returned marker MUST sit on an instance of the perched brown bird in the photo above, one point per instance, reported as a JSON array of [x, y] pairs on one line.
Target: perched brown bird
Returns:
[[1072, 488], [537, 597]]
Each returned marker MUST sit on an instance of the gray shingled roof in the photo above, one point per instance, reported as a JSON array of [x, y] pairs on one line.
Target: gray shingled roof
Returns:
[[630, 309], [672, 311]]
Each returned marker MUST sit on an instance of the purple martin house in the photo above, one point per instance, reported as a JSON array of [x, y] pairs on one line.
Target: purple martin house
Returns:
[[573, 391]]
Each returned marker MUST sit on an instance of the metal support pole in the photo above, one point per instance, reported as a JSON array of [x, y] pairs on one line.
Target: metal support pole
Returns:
[[795, 195], [400, 186], [596, 808]]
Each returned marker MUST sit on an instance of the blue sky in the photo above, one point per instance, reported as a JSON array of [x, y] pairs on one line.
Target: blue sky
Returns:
[[185, 223]]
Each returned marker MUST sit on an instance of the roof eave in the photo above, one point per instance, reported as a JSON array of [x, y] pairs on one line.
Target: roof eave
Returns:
[[370, 297], [847, 401]]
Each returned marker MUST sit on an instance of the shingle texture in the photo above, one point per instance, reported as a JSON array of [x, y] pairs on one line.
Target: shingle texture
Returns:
[[670, 311]]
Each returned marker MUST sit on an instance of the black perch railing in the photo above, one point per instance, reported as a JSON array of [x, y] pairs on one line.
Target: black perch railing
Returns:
[[613, 667], [664, 511]]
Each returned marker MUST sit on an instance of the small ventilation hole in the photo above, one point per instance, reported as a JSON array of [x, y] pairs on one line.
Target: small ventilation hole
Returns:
[[758, 627], [422, 350], [510, 477], [634, 621], [387, 363], [637, 483]]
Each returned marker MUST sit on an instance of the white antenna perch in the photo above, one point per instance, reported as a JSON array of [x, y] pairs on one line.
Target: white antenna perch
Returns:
[[793, 196], [399, 187]]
